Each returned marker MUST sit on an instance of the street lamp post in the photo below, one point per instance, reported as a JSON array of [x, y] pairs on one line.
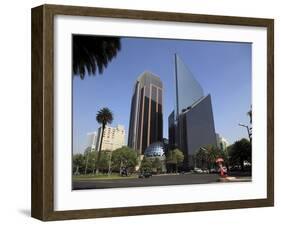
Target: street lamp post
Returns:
[[248, 130]]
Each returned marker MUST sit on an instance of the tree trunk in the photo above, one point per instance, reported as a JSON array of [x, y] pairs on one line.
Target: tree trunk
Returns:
[[86, 167], [242, 165], [99, 153], [109, 164], [77, 170], [120, 168]]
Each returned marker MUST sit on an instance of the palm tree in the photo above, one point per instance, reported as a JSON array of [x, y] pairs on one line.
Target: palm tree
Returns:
[[104, 117], [92, 53]]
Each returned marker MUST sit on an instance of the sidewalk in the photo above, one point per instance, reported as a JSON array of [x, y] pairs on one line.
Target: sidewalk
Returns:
[[170, 174], [235, 179]]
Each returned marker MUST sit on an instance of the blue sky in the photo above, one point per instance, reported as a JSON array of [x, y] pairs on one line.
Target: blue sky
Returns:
[[222, 68]]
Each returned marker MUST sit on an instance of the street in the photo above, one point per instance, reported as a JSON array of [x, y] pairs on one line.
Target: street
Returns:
[[155, 180]]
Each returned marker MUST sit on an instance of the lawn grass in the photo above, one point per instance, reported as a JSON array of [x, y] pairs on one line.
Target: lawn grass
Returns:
[[101, 177]]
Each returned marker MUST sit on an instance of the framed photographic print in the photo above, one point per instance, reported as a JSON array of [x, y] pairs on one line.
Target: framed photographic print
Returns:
[[141, 112]]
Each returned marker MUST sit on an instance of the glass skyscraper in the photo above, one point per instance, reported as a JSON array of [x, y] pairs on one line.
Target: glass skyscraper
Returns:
[[191, 124], [146, 118], [188, 90]]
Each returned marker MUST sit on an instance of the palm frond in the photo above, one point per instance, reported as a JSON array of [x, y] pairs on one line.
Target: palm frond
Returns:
[[93, 53], [104, 116]]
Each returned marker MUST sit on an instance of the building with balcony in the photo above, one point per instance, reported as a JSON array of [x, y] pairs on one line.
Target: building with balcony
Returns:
[[113, 138]]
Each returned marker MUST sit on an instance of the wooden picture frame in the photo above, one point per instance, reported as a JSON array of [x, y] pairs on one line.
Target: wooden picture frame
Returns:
[[43, 112]]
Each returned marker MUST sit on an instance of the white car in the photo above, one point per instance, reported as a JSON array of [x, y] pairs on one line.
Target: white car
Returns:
[[198, 170]]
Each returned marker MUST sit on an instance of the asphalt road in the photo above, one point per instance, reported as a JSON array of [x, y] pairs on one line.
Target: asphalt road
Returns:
[[155, 180]]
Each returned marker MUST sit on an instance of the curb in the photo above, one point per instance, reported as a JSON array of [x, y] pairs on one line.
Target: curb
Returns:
[[235, 179]]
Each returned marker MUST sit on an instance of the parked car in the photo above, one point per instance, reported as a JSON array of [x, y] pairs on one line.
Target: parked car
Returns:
[[145, 175], [205, 171], [198, 170]]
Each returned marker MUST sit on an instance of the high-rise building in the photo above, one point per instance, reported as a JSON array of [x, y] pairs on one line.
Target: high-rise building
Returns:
[[146, 118], [92, 141], [172, 130], [188, 89], [222, 143], [191, 124], [113, 138]]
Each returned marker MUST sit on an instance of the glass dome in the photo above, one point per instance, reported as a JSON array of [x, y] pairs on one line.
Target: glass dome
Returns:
[[154, 150]]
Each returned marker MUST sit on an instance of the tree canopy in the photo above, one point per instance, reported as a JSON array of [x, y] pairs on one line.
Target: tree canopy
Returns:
[[104, 116], [124, 157], [146, 165], [78, 163], [240, 152], [156, 164], [175, 157], [93, 53], [86, 163], [206, 156]]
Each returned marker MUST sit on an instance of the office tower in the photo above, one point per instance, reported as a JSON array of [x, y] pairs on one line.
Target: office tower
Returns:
[[222, 143], [92, 141], [146, 118], [191, 124], [113, 138], [172, 130]]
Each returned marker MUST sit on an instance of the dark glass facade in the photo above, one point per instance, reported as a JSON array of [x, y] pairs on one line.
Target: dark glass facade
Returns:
[[188, 89], [196, 129], [146, 118], [172, 130], [191, 124]]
